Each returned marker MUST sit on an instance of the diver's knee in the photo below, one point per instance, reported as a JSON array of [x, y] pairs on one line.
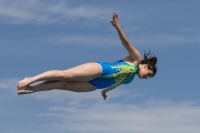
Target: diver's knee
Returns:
[[67, 75], [64, 85]]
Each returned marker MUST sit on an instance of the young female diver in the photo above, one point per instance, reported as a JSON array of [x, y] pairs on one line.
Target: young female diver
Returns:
[[95, 75]]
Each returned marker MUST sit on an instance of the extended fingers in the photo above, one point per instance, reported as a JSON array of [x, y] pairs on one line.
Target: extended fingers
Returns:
[[114, 19], [105, 96], [115, 16]]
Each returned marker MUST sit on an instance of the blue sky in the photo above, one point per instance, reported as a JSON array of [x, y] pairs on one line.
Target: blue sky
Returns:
[[39, 35]]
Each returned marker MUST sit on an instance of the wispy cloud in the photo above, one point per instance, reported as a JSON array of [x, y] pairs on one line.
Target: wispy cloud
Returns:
[[88, 112], [149, 117], [35, 11], [86, 40], [136, 39], [96, 40], [164, 39], [7, 84]]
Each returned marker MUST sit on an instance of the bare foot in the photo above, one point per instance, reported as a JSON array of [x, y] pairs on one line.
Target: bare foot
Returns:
[[23, 83], [26, 90]]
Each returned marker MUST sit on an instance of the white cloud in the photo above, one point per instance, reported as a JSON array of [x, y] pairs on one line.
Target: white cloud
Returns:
[[164, 39], [167, 117], [35, 11], [88, 112], [86, 39], [173, 36], [149, 40], [6, 84], [9, 85]]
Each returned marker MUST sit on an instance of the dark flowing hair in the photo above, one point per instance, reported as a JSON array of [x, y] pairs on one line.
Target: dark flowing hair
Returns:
[[151, 60]]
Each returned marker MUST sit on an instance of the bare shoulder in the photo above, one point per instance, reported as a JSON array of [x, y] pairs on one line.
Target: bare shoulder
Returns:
[[130, 60]]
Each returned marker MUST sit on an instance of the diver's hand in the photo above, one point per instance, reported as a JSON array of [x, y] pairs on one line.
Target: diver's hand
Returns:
[[114, 21], [103, 93]]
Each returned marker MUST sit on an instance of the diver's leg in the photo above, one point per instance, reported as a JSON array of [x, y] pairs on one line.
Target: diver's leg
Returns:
[[84, 72], [75, 86]]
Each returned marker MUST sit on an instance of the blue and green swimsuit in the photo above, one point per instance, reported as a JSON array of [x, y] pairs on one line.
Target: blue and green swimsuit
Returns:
[[114, 74]]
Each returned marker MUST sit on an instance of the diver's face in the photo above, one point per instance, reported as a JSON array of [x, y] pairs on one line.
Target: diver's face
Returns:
[[144, 72]]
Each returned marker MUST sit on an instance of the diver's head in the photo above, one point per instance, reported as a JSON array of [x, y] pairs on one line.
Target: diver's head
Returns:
[[147, 67]]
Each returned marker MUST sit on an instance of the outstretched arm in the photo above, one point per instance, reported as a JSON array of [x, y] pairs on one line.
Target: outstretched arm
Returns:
[[103, 92], [133, 53]]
